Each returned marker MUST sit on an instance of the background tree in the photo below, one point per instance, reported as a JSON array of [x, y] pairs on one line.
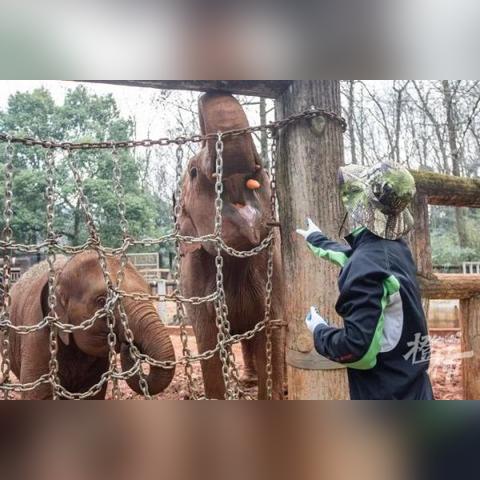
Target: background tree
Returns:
[[432, 125], [82, 117]]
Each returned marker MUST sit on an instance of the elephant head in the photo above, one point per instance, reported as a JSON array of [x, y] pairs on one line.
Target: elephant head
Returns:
[[81, 291], [246, 184]]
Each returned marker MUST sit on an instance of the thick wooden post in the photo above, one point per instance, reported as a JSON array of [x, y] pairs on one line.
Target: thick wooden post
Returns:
[[470, 323], [420, 237], [307, 186]]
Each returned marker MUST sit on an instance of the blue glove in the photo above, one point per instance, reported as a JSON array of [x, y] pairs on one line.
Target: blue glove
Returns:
[[313, 319], [311, 227]]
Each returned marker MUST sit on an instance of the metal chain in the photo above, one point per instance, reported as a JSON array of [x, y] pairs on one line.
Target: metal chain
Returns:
[[51, 258], [122, 210], [116, 295], [313, 112], [177, 211], [270, 261], [230, 377], [112, 297], [7, 235]]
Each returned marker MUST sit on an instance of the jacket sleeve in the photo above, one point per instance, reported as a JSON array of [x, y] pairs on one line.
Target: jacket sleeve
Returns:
[[362, 301], [323, 247]]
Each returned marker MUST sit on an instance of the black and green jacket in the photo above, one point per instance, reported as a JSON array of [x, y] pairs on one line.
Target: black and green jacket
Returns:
[[384, 342]]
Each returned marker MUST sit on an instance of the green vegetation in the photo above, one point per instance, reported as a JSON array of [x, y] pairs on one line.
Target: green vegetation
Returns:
[[444, 237], [82, 117]]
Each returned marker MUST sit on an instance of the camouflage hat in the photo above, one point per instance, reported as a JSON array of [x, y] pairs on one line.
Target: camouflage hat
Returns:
[[378, 198]]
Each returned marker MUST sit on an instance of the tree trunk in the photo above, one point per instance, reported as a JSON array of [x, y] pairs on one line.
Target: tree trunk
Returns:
[[470, 318], [351, 113], [307, 186], [457, 159], [420, 236], [76, 224], [263, 134]]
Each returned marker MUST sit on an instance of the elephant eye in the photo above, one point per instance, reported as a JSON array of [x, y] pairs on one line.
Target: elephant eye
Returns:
[[101, 301], [193, 172]]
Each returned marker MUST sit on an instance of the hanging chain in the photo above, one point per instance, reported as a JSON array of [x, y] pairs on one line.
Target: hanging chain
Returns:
[[133, 351], [7, 235], [177, 211], [115, 294], [52, 281], [229, 372], [312, 112], [95, 242], [111, 297], [270, 263]]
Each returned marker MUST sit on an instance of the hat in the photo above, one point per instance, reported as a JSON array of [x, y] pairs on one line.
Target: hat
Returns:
[[378, 198]]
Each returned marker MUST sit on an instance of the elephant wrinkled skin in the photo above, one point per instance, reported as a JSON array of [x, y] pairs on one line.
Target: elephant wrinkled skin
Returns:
[[246, 212], [83, 355]]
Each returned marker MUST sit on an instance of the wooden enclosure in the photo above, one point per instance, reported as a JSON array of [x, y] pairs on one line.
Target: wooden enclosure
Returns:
[[437, 189], [309, 156]]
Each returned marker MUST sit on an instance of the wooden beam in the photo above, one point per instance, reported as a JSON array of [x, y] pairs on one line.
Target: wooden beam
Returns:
[[450, 286], [257, 88], [470, 321], [448, 190], [308, 161]]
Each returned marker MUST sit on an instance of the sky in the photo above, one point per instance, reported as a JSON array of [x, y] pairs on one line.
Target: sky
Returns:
[[154, 118], [132, 101]]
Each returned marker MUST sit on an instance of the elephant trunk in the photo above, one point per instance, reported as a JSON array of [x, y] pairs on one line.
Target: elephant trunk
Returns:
[[152, 339], [222, 112]]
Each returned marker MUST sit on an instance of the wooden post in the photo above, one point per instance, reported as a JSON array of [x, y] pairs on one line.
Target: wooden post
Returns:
[[309, 158], [470, 324], [420, 236]]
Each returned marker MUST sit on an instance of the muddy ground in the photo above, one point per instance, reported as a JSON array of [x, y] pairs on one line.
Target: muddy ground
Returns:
[[445, 372]]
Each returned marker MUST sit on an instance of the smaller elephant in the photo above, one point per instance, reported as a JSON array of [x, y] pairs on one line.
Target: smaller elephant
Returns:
[[83, 355]]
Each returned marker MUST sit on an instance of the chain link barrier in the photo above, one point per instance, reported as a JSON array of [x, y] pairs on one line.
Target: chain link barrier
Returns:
[[114, 306]]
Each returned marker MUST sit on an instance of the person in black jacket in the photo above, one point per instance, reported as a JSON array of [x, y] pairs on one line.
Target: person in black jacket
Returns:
[[384, 342]]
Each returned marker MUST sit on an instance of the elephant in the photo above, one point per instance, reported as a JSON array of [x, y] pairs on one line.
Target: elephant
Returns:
[[246, 212], [83, 354]]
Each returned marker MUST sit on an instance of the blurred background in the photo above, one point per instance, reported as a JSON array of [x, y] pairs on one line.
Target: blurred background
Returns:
[[210, 441], [248, 39]]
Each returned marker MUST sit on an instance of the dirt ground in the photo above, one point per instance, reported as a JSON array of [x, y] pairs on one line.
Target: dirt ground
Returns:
[[445, 371]]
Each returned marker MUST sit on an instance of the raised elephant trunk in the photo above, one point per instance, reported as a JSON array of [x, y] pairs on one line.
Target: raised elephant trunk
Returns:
[[151, 338], [222, 112]]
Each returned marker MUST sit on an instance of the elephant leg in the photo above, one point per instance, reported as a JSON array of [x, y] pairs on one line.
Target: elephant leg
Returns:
[[278, 368], [206, 337], [34, 363], [249, 377], [30, 372]]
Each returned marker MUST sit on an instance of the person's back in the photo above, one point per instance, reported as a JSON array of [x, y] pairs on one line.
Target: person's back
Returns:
[[402, 363], [384, 342]]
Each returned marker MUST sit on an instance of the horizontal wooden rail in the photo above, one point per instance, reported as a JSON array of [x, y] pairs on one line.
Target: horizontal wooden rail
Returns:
[[444, 331], [450, 286], [447, 189], [257, 88]]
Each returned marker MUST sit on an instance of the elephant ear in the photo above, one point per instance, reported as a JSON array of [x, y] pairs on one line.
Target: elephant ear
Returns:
[[59, 308]]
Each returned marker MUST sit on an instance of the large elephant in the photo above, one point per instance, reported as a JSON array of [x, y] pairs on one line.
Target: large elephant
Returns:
[[246, 212], [83, 355]]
